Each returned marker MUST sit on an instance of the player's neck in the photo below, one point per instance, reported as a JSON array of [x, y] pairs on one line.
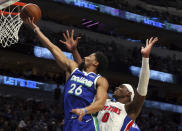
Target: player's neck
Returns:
[[90, 69], [123, 100]]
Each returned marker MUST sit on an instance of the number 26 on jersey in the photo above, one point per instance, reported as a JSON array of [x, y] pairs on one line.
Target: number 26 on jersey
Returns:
[[75, 90]]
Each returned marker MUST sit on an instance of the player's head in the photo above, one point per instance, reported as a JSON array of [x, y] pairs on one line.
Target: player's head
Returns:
[[124, 91], [97, 60]]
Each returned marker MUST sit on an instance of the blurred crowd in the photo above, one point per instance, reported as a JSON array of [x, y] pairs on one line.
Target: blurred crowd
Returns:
[[17, 114], [155, 120]]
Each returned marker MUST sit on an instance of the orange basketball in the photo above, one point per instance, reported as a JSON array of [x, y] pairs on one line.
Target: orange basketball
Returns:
[[31, 10]]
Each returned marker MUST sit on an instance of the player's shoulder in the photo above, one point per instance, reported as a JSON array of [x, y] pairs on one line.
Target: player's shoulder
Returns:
[[102, 79], [102, 82]]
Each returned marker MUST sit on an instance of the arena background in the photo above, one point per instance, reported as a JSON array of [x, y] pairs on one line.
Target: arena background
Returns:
[[29, 75]]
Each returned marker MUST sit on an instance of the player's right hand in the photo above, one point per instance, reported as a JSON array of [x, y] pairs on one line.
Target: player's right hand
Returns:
[[70, 43], [79, 112], [148, 47]]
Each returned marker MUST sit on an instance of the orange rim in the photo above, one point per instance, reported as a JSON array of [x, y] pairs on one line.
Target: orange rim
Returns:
[[20, 4], [7, 13], [12, 13]]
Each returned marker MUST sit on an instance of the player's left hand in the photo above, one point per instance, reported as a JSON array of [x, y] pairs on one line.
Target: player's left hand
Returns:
[[30, 22], [70, 42], [149, 44], [79, 112]]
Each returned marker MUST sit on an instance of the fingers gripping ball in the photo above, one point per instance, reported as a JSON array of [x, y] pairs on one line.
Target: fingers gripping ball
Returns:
[[31, 10]]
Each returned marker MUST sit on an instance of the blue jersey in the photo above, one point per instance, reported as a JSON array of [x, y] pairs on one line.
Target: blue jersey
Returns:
[[79, 92], [134, 127]]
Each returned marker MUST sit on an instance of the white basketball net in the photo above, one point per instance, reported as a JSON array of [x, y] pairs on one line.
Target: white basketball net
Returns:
[[9, 28]]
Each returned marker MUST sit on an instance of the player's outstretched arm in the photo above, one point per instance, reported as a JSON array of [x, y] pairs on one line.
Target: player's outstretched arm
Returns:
[[61, 59], [101, 96], [134, 108], [71, 45]]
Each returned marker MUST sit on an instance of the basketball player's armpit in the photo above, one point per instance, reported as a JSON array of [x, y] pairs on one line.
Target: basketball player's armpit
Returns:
[[134, 108], [101, 96]]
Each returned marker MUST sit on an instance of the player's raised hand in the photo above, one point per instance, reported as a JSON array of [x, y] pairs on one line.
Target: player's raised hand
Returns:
[[70, 43], [149, 44], [79, 112], [31, 23]]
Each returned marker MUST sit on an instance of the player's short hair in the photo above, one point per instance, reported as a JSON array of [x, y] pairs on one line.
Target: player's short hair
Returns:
[[103, 61]]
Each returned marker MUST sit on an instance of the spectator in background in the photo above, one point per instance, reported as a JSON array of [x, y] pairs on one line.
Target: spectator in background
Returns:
[[57, 95]]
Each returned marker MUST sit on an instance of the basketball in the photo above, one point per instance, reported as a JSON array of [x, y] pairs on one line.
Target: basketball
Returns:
[[31, 10]]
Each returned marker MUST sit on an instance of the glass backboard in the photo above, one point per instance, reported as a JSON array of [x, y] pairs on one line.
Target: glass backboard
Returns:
[[6, 3]]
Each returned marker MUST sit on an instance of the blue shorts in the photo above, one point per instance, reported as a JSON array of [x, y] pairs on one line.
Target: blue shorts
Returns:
[[84, 125]]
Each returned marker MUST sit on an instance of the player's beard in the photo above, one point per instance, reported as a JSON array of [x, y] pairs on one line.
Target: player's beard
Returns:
[[82, 65]]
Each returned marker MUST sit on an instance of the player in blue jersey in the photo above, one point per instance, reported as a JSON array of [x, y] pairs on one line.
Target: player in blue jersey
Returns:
[[85, 91], [120, 115]]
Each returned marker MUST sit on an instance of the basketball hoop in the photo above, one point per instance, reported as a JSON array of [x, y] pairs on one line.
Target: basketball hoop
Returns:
[[10, 23]]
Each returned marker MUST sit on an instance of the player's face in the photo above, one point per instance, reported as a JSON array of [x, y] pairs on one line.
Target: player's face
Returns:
[[90, 60], [120, 91]]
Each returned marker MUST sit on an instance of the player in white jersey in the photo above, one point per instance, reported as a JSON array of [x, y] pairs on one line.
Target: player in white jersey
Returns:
[[120, 115]]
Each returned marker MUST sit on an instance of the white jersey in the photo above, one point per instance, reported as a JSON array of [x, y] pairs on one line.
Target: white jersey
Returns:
[[114, 117]]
